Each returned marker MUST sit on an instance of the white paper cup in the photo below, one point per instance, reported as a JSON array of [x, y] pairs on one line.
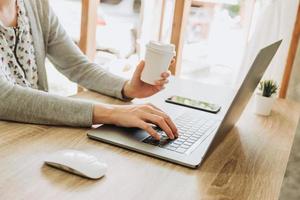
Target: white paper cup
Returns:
[[157, 60]]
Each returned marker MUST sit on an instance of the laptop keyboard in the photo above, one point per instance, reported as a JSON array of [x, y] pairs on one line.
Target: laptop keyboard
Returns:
[[192, 131]]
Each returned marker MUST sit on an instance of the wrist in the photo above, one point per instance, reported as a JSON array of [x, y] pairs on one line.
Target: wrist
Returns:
[[128, 92], [102, 114]]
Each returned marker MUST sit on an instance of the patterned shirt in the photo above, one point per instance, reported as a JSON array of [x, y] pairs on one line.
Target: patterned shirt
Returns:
[[17, 56]]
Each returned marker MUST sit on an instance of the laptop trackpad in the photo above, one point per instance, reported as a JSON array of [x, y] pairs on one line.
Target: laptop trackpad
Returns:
[[133, 133]]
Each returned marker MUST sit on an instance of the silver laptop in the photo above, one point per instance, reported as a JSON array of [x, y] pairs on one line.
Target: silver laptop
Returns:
[[199, 132]]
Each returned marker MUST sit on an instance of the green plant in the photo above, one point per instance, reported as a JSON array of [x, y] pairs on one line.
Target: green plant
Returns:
[[268, 87]]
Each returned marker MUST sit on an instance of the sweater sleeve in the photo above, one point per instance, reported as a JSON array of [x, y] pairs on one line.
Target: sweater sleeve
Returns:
[[33, 106], [71, 62]]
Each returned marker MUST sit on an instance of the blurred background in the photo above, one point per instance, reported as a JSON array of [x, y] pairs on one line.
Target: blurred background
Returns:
[[218, 33], [124, 27]]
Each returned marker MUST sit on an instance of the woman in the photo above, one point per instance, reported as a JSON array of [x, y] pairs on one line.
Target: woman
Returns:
[[30, 31]]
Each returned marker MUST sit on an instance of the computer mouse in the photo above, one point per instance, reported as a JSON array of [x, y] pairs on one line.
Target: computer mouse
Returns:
[[77, 162]]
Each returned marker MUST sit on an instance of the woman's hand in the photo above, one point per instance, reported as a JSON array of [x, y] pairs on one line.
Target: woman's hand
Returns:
[[136, 88], [139, 116]]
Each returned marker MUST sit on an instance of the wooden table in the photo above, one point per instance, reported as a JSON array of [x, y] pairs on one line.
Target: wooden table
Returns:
[[249, 164]]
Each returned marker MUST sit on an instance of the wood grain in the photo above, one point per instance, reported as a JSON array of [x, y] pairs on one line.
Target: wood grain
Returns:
[[249, 164]]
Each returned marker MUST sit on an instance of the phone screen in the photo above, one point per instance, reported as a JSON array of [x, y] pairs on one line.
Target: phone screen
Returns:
[[192, 103]]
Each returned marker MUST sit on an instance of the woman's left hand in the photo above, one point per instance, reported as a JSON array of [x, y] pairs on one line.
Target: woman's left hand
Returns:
[[136, 88]]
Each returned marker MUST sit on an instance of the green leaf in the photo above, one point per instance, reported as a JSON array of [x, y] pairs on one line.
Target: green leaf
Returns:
[[268, 87]]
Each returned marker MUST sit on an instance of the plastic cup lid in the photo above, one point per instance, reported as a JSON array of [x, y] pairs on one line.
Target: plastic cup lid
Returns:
[[170, 48]]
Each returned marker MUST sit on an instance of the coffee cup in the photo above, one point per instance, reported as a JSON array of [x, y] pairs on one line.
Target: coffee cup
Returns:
[[157, 60]]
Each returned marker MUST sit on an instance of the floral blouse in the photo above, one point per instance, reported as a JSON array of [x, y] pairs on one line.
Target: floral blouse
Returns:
[[17, 56]]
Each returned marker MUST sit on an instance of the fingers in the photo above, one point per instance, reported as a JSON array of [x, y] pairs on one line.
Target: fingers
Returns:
[[148, 127], [158, 111], [154, 110], [173, 61], [165, 75], [164, 79], [161, 82], [169, 121], [139, 69], [172, 125], [144, 116], [172, 64], [160, 121]]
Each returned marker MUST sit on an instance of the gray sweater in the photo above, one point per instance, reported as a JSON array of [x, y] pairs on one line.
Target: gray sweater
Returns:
[[37, 106]]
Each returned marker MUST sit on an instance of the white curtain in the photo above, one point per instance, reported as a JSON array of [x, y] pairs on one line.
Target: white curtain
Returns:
[[150, 23], [273, 20]]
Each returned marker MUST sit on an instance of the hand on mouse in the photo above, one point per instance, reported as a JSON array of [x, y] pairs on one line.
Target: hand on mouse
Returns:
[[139, 116], [136, 88]]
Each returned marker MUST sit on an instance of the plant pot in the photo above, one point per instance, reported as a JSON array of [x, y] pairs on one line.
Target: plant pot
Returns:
[[263, 105]]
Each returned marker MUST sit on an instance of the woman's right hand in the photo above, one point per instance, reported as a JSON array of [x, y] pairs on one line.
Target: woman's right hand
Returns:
[[139, 116]]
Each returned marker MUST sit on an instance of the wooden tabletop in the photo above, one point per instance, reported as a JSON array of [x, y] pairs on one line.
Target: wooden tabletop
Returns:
[[249, 164]]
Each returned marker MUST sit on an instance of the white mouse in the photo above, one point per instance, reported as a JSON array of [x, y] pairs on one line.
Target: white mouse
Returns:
[[77, 162]]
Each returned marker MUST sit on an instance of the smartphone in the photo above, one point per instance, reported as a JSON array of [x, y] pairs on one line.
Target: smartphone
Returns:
[[192, 103]]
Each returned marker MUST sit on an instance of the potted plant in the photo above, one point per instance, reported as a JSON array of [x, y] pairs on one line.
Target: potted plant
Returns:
[[264, 99]]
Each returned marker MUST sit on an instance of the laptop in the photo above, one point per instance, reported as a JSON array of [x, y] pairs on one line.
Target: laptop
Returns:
[[199, 131]]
